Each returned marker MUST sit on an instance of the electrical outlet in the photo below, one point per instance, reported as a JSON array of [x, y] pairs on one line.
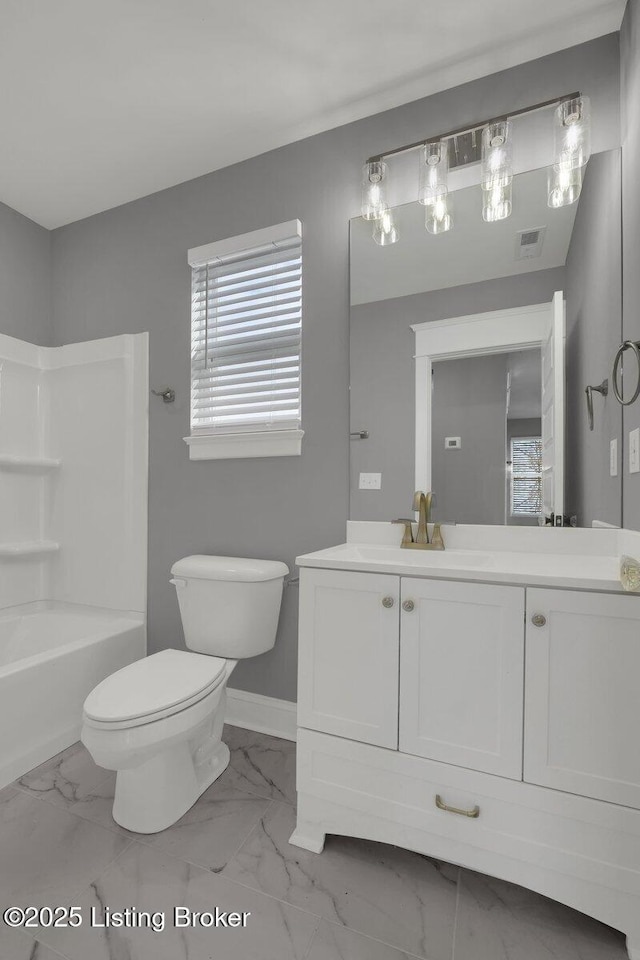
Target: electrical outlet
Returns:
[[370, 481], [634, 450], [613, 458]]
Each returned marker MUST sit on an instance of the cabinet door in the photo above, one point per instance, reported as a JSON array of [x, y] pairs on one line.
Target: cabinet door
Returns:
[[461, 674], [582, 717], [348, 655]]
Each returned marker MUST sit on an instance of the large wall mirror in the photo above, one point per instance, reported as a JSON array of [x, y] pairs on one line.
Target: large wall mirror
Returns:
[[471, 352]]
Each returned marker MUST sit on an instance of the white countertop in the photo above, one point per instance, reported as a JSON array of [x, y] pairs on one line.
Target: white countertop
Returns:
[[580, 560]]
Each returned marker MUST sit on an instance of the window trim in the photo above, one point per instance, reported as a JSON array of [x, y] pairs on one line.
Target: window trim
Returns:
[[244, 441]]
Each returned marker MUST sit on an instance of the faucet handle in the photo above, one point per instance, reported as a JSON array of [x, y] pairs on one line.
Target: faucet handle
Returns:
[[407, 536], [436, 537]]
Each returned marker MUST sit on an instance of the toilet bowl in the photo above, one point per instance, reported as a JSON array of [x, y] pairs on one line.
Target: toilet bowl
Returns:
[[158, 722]]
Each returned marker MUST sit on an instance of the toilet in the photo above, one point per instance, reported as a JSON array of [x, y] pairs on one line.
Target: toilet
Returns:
[[158, 722]]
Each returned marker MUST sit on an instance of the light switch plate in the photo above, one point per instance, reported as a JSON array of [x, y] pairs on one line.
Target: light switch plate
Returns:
[[452, 443], [613, 458], [370, 481], [634, 450]]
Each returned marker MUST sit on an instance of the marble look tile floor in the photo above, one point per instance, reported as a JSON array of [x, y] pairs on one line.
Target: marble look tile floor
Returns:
[[356, 901]]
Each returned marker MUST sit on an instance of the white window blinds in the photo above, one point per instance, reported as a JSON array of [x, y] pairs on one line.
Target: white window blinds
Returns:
[[526, 476], [246, 319]]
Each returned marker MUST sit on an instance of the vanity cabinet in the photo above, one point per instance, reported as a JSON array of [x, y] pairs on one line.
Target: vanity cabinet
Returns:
[[462, 674], [582, 697], [348, 655], [490, 725], [460, 651]]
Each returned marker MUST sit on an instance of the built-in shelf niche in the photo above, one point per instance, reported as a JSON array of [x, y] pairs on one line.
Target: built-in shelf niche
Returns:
[[29, 464], [27, 548]]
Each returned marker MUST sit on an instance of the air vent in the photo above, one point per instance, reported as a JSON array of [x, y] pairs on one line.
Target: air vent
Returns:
[[529, 243]]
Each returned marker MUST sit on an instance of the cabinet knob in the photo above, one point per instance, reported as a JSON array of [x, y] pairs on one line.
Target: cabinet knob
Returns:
[[538, 620], [408, 605], [388, 602]]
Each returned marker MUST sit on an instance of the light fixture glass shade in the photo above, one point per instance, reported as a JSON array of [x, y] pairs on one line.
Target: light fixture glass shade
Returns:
[[385, 231], [496, 202], [374, 203], [572, 132], [497, 155], [437, 218], [564, 184], [434, 172]]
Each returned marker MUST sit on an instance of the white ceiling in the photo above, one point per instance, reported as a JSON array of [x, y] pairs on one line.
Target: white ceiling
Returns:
[[471, 252], [104, 102]]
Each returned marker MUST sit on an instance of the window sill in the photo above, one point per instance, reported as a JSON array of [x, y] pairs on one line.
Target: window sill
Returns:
[[241, 446]]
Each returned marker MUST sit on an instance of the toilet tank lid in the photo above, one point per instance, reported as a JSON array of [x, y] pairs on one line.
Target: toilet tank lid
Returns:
[[205, 567]]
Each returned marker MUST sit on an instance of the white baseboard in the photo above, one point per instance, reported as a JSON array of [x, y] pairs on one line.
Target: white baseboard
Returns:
[[262, 714]]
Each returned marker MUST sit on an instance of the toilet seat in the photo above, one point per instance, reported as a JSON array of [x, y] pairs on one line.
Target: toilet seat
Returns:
[[158, 686]]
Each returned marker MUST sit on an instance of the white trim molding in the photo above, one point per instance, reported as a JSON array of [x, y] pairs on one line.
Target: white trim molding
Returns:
[[238, 446], [268, 236], [269, 715]]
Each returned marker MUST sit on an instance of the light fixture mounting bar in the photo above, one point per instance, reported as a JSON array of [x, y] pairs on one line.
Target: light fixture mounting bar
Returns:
[[469, 128]]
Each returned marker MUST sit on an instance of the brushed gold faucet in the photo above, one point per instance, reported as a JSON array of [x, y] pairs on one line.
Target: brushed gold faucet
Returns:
[[422, 504]]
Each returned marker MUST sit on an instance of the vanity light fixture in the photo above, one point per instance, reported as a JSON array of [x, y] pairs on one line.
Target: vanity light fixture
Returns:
[[437, 218], [497, 170], [374, 204], [385, 231], [572, 140], [433, 190]]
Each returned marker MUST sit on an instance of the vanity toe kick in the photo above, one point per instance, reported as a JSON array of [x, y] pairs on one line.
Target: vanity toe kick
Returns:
[[579, 851]]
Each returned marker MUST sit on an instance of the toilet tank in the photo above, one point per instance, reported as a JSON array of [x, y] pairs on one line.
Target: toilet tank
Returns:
[[229, 605]]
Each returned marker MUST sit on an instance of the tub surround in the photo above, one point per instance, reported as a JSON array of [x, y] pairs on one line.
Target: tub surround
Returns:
[[478, 705], [73, 543]]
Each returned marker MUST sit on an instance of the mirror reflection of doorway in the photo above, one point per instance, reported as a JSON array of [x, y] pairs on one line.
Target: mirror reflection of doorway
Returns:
[[486, 438]]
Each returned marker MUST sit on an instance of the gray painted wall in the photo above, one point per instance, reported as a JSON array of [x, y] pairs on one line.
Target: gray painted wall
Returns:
[[125, 270], [470, 402], [25, 278], [630, 115], [594, 330], [383, 379]]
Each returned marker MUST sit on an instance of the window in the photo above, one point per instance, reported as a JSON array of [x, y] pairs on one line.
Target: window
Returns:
[[526, 476], [246, 321]]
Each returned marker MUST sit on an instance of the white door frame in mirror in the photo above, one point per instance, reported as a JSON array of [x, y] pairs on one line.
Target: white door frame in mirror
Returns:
[[501, 331]]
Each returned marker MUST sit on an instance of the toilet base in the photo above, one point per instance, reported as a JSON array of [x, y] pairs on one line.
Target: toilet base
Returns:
[[154, 795]]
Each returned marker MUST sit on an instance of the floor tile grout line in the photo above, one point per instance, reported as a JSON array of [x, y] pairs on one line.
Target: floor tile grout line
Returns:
[[248, 834], [367, 936], [312, 939], [56, 953]]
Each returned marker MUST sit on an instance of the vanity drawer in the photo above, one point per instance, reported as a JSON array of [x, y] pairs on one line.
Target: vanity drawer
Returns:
[[388, 796]]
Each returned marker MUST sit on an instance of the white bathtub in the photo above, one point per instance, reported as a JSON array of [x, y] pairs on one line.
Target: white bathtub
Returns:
[[51, 657]]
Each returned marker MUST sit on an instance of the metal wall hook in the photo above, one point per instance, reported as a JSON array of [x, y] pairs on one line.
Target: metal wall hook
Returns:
[[603, 389], [627, 345], [168, 395]]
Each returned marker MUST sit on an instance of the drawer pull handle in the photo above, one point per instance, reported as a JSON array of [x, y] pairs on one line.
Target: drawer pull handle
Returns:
[[474, 813], [387, 602], [408, 605], [538, 619]]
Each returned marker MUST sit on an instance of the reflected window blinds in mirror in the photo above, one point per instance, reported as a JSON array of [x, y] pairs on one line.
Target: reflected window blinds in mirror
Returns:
[[491, 146]]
